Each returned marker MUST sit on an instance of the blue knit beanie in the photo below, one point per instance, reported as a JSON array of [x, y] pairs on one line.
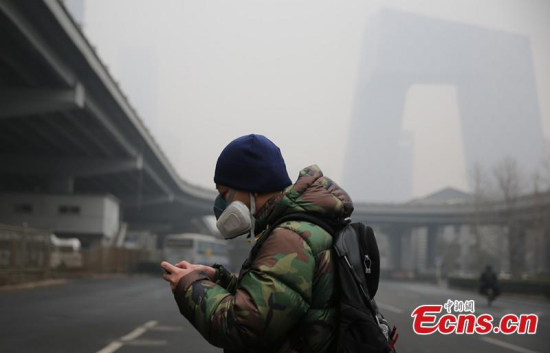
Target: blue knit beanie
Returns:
[[252, 163]]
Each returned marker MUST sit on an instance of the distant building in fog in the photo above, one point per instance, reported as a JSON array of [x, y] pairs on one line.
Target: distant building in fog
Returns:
[[497, 98], [445, 196]]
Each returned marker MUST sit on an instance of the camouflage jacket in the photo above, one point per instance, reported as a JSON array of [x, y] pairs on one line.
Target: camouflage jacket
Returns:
[[285, 301]]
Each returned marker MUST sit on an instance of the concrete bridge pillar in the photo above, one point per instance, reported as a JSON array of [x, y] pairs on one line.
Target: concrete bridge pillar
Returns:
[[516, 249], [61, 185], [546, 252], [396, 236], [431, 244], [396, 250]]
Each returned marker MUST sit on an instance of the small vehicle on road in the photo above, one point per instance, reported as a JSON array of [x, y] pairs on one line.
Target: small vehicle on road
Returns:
[[65, 253]]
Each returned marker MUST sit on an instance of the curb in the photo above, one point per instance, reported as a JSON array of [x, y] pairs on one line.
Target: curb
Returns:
[[32, 285]]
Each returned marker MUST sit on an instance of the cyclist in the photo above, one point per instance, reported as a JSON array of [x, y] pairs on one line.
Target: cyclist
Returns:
[[489, 284]]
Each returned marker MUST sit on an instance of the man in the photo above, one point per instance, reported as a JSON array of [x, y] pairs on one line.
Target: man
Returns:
[[285, 298]]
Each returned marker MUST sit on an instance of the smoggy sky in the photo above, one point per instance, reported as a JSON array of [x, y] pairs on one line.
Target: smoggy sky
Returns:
[[201, 73]]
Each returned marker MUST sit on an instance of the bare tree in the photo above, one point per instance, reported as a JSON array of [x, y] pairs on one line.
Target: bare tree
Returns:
[[479, 184], [507, 176], [539, 223], [545, 173], [506, 173], [541, 188]]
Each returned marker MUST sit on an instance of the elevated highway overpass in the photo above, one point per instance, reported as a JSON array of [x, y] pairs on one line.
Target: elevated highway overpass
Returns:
[[66, 127], [525, 209]]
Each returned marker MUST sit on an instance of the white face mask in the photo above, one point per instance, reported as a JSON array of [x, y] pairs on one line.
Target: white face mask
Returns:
[[237, 219]]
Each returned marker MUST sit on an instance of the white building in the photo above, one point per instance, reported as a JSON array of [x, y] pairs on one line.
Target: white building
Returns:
[[90, 218]]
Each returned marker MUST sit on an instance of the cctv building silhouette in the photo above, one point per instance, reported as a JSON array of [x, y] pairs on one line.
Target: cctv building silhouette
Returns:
[[497, 98]]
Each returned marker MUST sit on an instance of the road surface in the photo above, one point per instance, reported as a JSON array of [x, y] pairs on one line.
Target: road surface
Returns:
[[138, 315]]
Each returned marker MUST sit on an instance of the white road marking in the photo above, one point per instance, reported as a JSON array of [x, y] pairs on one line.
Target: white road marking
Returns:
[[134, 334], [113, 346], [146, 343], [150, 324], [391, 308], [510, 346], [167, 328], [138, 331]]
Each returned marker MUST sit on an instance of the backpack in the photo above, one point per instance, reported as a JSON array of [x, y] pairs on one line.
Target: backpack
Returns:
[[362, 328]]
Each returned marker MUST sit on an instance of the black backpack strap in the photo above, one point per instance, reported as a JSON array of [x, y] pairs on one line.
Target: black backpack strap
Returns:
[[292, 217]]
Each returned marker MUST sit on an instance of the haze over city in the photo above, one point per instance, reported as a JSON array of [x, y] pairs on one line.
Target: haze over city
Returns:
[[200, 74], [432, 116]]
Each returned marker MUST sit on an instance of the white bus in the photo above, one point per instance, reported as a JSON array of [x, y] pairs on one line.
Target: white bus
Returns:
[[195, 248]]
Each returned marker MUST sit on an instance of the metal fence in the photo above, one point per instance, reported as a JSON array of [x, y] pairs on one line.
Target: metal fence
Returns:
[[25, 256], [113, 260]]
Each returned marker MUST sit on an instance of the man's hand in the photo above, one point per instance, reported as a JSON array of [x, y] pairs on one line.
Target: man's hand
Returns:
[[176, 273], [210, 271]]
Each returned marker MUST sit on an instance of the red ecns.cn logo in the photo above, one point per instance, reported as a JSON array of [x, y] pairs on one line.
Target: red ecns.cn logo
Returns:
[[426, 321]]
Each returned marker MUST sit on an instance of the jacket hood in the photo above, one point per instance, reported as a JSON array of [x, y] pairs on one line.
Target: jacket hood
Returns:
[[312, 193]]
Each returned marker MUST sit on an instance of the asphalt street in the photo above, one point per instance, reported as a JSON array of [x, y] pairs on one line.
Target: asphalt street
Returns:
[[138, 315]]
